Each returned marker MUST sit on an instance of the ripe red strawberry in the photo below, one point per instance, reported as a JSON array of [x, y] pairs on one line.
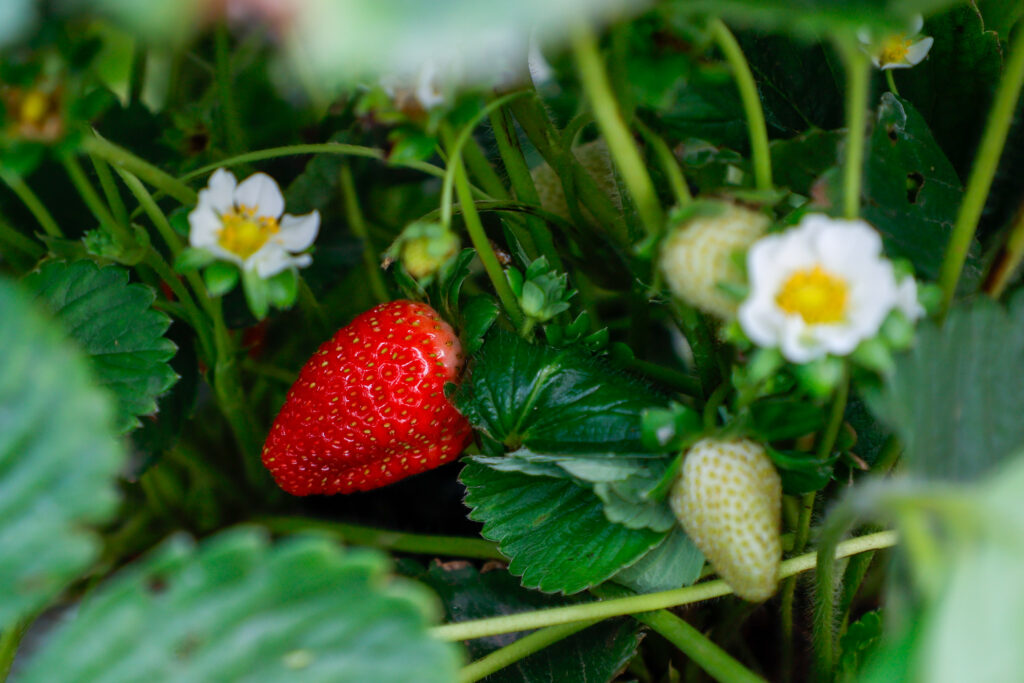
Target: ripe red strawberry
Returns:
[[369, 408]]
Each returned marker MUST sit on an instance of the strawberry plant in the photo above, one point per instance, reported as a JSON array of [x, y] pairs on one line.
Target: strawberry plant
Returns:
[[511, 342]]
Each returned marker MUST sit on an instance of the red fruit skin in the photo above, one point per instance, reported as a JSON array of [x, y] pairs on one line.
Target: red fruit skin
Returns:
[[369, 408]]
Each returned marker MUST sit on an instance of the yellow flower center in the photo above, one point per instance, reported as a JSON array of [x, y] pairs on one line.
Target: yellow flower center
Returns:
[[34, 106], [894, 50], [815, 295], [243, 232]]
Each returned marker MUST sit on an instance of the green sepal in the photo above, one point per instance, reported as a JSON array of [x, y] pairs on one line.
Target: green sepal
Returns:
[[220, 277]]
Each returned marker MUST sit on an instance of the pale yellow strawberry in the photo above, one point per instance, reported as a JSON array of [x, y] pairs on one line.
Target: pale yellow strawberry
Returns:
[[594, 158], [728, 499], [699, 254]]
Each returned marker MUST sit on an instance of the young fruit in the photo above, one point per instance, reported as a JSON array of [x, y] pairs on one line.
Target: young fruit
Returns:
[[699, 255], [728, 499], [594, 158], [369, 408]]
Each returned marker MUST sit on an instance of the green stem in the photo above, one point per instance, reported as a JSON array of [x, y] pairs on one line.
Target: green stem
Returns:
[[858, 71], [396, 541], [194, 316], [649, 602], [19, 242], [31, 202], [137, 80], [714, 402], [483, 246], [233, 131], [522, 183], [686, 384], [891, 82], [114, 201], [520, 649], [984, 169], [718, 663], [761, 156], [10, 639], [312, 309], [233, 402], [119, 157], [358, 227], [96, 205], [480, 168], [152, 209], [620, 141], [1011, 257], [669, 164]]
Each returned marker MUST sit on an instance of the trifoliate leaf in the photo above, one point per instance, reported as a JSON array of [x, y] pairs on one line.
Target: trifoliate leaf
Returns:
[[58, 458], [113, 323]]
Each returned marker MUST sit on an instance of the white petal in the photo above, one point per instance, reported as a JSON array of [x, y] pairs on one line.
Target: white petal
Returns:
[[204, 225], [756, 321], [796, 345], [260, 193], [896, 65], [298, 232], [864, 35], [916, 24], [919, 50], [906, 299], [220, 191], [268, 261], [878, 63]]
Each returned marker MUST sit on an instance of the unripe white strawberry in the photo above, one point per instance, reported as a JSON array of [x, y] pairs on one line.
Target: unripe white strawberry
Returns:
[[595, 160], [699, 254], [728, 499]]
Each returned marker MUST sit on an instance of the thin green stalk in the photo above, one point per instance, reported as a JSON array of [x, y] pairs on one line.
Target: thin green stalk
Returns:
[[680, 381], [358, 227], [1011, 257], [520, 649], [193, 315], [615, 131], [751, 100], [718, 663], [152, 209], [19, 242], [10, 639], [649, 602], [310, 305], [891, 82], [233, 401], [669, 164], [858, 71], [396, 541], [984, 169], [31, 202], [110, 191], [137, 80], [522, 183], [233, 131], [480, 168], [483, 246], [92, 199], [119, 157]]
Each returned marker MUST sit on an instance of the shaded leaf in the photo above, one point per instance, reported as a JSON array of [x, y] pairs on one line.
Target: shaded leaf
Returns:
[[554, 532], [955, 399], [58, 458], [675, 563], [237, 608], [113, 323]]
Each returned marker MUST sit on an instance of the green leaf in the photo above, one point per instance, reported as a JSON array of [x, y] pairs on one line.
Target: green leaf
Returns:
[[912, 192], [799, 161], [58, 458], [857, 643], [595, 654], [554, 532], [478, 316], [774, 419], [674, 563], [113, 322], [953, 87], [237, 608], [552, 400], [955, 399]]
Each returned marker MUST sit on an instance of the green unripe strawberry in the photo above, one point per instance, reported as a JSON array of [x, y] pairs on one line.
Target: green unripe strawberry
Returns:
[[698, 256], [728, 499]]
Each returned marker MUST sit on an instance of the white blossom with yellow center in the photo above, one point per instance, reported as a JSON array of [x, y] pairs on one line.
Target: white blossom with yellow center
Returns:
[[899, 51], [243, 223], [821, 288]]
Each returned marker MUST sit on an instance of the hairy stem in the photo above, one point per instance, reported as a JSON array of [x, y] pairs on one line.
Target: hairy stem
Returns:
[[119, 157], [984, 169], [620, 141], [858, 71], [10, 639], [358, 227], [642, 603], [397, 541], [31, 202], [760, 154], [233, 132], [669, 164], [520, 649], [1011, 257], [718, 663]]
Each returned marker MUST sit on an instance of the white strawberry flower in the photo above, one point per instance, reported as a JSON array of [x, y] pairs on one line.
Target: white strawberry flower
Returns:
[[243, 223], [897, 51], [822, 288]]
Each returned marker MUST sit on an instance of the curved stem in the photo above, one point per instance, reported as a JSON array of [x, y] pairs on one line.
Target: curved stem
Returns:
[[984, 169], [397, 541], [10, 639], [358, 227], [718, 663], [761, 156], [520, 649], [119, 157], [31, 202], [858, 70], [642, 603], [669, 164], [96, 205], [891, 82], [613, 127]]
